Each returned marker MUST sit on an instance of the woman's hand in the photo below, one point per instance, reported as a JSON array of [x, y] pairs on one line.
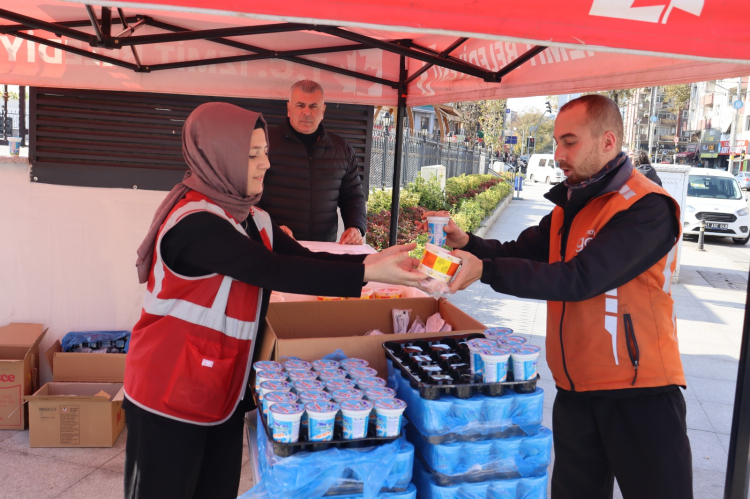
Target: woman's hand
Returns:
[[393, 266], [455, 236], [470, 271]]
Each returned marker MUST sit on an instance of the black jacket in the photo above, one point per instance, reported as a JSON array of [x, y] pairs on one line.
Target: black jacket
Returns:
[[302, 190]]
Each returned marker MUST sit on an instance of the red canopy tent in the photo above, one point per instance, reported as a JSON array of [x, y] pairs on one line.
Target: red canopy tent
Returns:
[[388, 52]]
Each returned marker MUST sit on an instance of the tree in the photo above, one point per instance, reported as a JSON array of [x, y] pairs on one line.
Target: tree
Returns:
[[491, 122], [470, 114], [678, 97], [525, 125], [621, 96]]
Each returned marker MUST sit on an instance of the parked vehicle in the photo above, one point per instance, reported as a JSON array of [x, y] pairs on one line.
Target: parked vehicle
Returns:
[[543, 168], [744, 179], [715, 196]]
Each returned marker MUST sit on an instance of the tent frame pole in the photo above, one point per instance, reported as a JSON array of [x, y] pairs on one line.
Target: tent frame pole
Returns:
[[398, 153]]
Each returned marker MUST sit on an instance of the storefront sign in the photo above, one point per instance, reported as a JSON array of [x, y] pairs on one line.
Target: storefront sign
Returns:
[[741, 146]]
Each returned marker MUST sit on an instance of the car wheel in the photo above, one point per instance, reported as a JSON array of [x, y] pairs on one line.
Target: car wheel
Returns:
[[547, 181], [739, 240], [531, 177]]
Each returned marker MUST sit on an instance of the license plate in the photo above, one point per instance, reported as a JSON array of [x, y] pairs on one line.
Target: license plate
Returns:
[[714, 225]]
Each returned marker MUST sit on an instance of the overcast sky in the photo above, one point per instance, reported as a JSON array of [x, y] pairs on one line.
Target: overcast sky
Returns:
[[519, 104]]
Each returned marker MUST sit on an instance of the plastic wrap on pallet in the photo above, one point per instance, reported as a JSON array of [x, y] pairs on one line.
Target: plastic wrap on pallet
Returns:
[[409, 493], [513, 457], [478, 417], [515, 488], [314, 474]]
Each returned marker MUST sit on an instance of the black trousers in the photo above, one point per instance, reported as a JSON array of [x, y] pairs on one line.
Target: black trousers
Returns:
[[641, 440], [168, 459]]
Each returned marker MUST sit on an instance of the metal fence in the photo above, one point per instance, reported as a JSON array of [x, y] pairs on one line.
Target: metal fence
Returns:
[[419, 151]]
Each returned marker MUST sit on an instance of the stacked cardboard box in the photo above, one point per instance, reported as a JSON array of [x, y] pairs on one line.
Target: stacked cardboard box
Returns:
[[19, 371]]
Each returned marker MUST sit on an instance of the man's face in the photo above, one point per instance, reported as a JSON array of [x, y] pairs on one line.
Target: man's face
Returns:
[[579, 154], [305, 111]]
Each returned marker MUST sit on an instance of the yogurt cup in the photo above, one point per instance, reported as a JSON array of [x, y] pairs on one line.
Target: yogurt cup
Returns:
[[272, 398], [330, 298], [333, 385], [355, 418], [286, 421], [369, 382], [512, 341], [308, 384], [273, 386], [388, 419], [326, 374], [347, 364], [361, 372], [387, 293], [299, 375], [497, 333], [525, 359], [263, 376], [475, 360], [291, 365], [366, 294], [495, 364], [267, 365], [438, 263], [319, 365], [377, 393], [343, 395], [312, 396], [321, 420], [436, 234]]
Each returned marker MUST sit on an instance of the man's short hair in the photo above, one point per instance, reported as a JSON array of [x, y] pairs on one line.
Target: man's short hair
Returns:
[[603, 115], [640, 158], [307, 86]]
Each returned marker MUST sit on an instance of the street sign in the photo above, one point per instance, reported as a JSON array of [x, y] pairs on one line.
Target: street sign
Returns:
[[512, 139], [737, 104], [654, 119], [507, 111], [676, 140]]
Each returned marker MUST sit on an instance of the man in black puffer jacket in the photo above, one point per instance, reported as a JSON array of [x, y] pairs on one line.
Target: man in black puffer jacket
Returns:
[[312, 172]]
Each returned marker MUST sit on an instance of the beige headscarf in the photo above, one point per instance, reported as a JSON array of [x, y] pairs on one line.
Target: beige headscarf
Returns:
[[216, 144]]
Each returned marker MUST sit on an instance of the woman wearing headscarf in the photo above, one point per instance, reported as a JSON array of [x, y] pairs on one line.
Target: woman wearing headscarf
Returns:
[[210, 259]]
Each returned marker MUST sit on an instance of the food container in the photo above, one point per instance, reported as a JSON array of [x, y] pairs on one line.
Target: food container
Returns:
[[286, 417], [361, 372], [367, 294], [262, 376], [376, 393], [272, 398], [267, 365], [330, 298], [387, 293], [435, 233], [340, 396], [347, 364], [475, 360], [497, 333], [299, 375], [321, 420], [308, 384], [321, 364], [388, 416], [328, 374], [273, 386], [333, 385], [512, 341], [525, 359], [495, 364], [438, 263], [369, 382], [312, 396], [355, 418], [294, 364]]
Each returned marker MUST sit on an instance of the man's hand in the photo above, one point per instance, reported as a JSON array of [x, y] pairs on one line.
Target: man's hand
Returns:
[[393, 266], [455, 236], [286, 230], [471, 270], [351, 236]]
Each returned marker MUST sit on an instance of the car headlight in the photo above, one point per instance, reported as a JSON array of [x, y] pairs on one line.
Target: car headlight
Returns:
[[690, 209], [743, 212]]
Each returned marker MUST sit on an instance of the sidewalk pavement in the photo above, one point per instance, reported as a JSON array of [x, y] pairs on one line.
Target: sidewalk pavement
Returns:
[[709, 325]]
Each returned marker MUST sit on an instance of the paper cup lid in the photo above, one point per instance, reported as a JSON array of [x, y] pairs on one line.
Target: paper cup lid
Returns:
[[278, 397], [478, 343], [301, 374], [314, 395], [354, 363], [297, 364], [347, 393], [267, 365], [340, 384], [308, 384], [321, 407], [332, 373], [278, 375], [371, 381], [494, 351], [276, 386], [390, 404], [325, 364], [513, 340], [355, 405], [380, 392], [287, 408], [498, 331], [362, 372]]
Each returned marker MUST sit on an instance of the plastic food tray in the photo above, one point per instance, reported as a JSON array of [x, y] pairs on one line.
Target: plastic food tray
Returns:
[[462, 383], [303, 445]]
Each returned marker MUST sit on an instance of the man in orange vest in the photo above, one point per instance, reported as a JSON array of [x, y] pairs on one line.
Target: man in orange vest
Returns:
[[603, 259]]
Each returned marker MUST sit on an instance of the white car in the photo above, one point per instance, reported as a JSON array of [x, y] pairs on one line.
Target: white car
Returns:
[[543, 168], [744, 179], [715, 196]]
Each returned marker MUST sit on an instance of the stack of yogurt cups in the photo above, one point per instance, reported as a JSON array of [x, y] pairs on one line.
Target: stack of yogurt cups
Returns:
[[501, 352], [321, 395]]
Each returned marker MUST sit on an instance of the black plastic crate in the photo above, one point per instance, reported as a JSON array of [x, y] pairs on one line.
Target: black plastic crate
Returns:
[[441, 366], [303, 445]]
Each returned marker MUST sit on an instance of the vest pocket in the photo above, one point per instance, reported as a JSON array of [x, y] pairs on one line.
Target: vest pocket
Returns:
[[632, 343], [201, 380]]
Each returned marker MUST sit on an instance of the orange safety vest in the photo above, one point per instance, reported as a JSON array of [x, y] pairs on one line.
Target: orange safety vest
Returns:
[[190, 352], [626, 337]]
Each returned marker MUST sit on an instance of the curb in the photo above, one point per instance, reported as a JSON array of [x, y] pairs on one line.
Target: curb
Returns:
[[492, 218]]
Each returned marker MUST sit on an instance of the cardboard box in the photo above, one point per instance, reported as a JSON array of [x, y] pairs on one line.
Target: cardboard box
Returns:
[[69, 366], [19, 371], [311, 330], [76, 415]]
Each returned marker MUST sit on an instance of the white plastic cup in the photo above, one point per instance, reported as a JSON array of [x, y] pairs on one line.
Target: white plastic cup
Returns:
[[14, 146], [333, 385], [293, 364], [436, 234], [438, 263], [475, 360], [263, 376], [525, 359], [267, 365], [321, 420], [349, 363], [344, 394], [321, 364], [272, 398], [312, 396], [328, 374], [511, 341], [355, 418], [497, 333], [308, 384], [273, 386], [388, 417], [286, 421], [361, 372], [369, 382], [377, 393], [301, 374], [495, 364]]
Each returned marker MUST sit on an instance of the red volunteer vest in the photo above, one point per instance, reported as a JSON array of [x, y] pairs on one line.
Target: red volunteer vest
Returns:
[[190, 352], [595, 343]]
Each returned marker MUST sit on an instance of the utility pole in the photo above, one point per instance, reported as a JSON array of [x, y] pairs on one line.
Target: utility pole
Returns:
[[652, 123], [733, 134]]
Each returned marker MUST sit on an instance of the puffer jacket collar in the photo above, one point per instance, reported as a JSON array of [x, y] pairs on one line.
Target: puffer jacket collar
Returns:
[[613, 182], [323, 141]]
